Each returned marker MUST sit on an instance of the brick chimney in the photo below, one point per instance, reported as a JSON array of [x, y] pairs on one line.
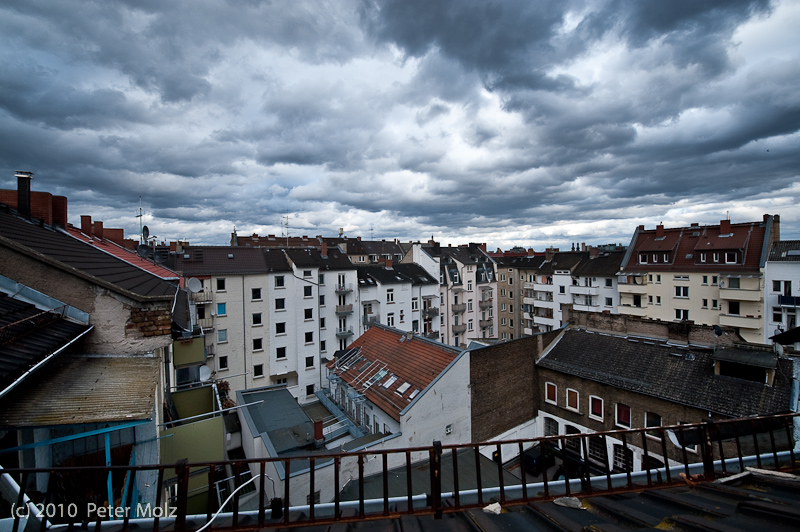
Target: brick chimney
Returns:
[[86, 225], [324, 250], [659, 230], [724, 227], [24, 193], [388, 263], [97, 229], [60, 211]]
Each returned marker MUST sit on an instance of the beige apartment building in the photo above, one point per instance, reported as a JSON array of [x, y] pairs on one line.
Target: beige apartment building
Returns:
[[710, 275]]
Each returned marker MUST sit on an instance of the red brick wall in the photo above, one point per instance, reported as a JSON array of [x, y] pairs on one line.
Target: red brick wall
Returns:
[[149, 322]]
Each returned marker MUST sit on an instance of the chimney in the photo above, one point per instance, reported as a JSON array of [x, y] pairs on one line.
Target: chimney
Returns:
[[324, 250], [319, 436], [641, 228], [86, 225], [594, 252], [583, 246], [530, 252], [24, 193], [659, 230], [60, 211], [97, 229], [725, 227], [388, 263]]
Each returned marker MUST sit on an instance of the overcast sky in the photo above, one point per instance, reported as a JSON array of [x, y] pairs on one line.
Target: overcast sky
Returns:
[[512, 123]]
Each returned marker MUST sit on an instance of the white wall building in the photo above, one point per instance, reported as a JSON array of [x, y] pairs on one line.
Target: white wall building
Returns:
[[782, 288]]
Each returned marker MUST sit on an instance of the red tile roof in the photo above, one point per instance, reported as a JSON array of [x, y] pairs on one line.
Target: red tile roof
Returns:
[[386, 353], [684, 245], [122, 253]]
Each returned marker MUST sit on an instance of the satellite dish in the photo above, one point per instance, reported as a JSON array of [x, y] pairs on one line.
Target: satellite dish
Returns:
[[194, 285], [159, 257], [717, 330], [145, 233], [144, 251], [205, 373]]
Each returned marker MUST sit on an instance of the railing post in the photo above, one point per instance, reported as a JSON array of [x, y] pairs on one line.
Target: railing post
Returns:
[[436, 479], [182, 472], [709, 430]]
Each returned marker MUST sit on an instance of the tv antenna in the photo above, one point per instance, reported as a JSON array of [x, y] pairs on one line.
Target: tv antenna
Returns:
[[285, 225]]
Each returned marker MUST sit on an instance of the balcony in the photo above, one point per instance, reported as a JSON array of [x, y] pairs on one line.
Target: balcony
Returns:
[[458, 309], [344, 288], [431, 335], [207, 324], [789, 301], [740, 294], [430, 312], [744, 322], [540, 287], [201, 297], [585, 290], [630, 310], [632, 288], [344, 332], [343, 310], [484, 323], [458, 329], [372, 319], [485, 303]]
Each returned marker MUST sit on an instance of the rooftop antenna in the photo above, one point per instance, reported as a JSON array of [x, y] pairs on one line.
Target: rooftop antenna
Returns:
[[371, 230], [285, 225], [141, 229]]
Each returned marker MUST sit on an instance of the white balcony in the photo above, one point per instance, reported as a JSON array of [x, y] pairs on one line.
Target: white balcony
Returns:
[[744, 322], [739, 294], [585, 290]]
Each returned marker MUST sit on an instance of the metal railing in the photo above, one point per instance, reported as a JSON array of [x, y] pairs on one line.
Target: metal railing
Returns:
[[668, 456]]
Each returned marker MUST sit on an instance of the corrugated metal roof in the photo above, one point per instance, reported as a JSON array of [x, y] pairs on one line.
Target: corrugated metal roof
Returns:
[[78, 390]]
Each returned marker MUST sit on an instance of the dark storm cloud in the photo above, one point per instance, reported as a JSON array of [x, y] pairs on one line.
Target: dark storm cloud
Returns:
[[451, 117]]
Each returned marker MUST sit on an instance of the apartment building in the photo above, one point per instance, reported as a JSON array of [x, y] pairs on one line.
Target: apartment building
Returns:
[[403, 296], [594, 283], [552, 287], [513, 314], [271, 316], [467, 288], [712, 275], [782, 288]]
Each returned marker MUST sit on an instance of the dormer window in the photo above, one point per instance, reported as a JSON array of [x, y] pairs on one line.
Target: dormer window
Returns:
[[643, 258], [716, 257], [666, 257], [730, 257], [702, 257]]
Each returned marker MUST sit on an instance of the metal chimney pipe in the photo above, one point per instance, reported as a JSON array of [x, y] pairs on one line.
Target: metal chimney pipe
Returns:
[[24, 193]]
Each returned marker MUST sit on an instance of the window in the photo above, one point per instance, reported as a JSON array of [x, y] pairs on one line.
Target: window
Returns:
[[258, 345], [306, 273], [705, 303], [609, 302], [307, 291], [714, 304], [658, 278], [390, 295], [730, 257], [321, 300], [222, 336], [414, 303], [733, 308], [258, 370], [716, 257], [597, 449], [310, 391], [255, 294], [390, 319], [702, 258], [309, 337], [682, 291], [623, 415], [223, 362], [503, 320], [572, 399], [623, 458], [280, 353], [562, 289], [502, 307], [609, 283], [221, 309], [705, 279], [256, 319], [714, 280], [308, 314], [322, 323], [642, 258], [279, 281], [469, 285], [551, 393], [322, 346], [649, 300], [469, 325], [321, 278], [777, 315], [595, 408], [279, 380], [469, 305], [280, 304], [681, 314], [776, 286], [734, 282], [550, 427], [280, 327], [658, 300], [309, 362], [220, 285], [652, 420]]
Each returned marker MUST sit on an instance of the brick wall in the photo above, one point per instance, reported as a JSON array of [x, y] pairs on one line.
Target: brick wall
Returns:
[[504, 386], [149, 322], [44, 206], [678, 332]]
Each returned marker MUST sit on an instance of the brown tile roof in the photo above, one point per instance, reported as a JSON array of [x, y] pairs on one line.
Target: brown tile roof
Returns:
[[684, 245], [228, 260], [389, 353], [312, 258]]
